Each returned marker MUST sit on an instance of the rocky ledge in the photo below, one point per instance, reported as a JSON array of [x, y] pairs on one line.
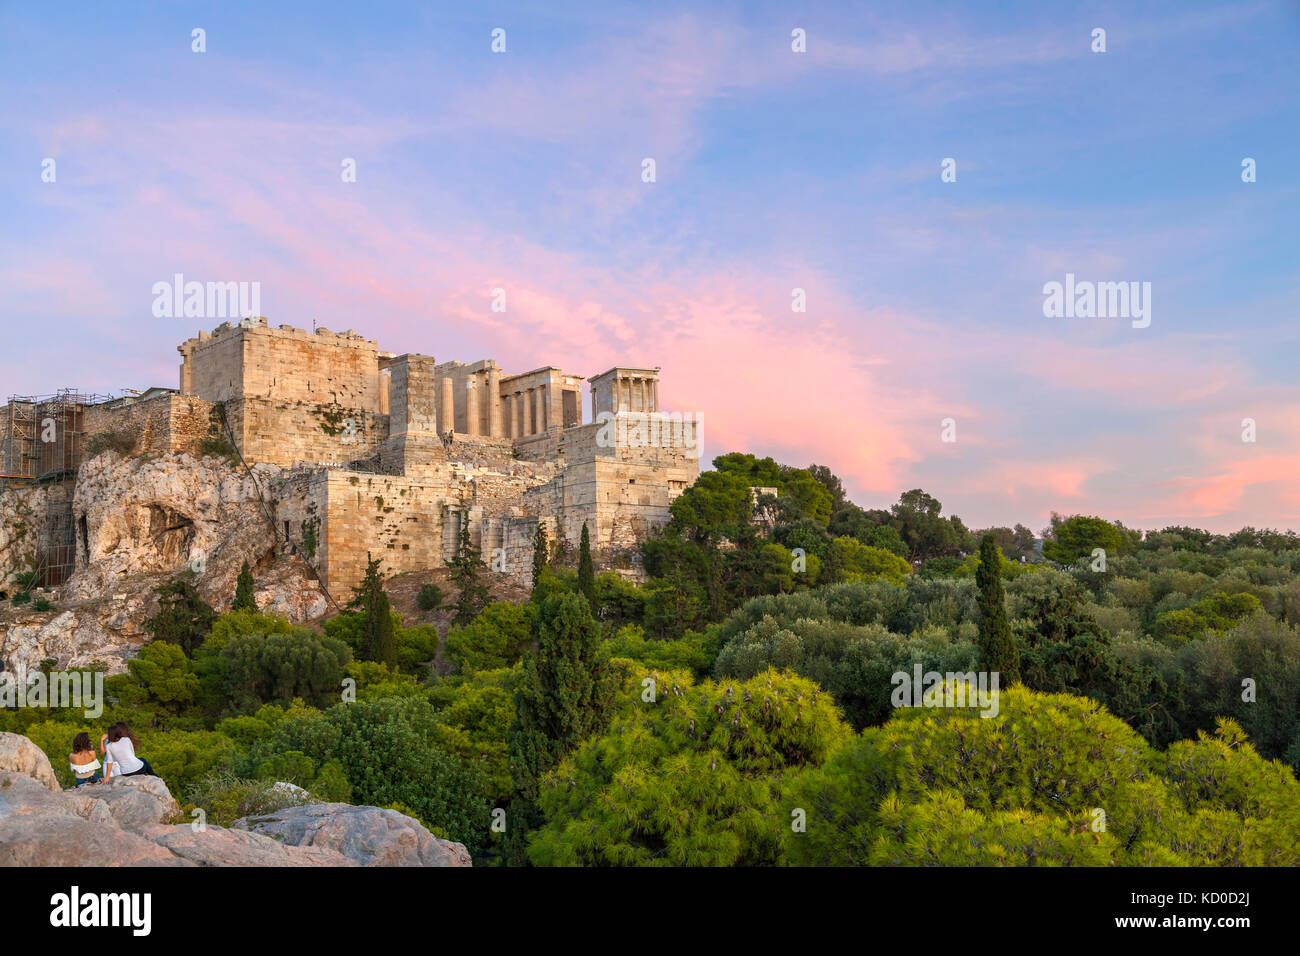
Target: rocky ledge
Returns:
[[135, 821]]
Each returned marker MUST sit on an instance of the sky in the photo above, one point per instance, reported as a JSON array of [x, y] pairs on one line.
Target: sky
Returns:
[[774, 170]]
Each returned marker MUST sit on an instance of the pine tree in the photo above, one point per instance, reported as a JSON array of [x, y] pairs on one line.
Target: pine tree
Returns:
[[997, 647], [467, 571], [565, 695], [586, 570], [540, 552], [244, 591], [183, 616], [378, 637]]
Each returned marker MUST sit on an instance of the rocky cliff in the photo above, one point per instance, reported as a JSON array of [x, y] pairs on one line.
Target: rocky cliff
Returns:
[[134, 821], [139, 520]]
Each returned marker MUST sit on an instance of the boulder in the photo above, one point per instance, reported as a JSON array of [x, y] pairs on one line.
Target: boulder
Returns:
[[368, 835], [20, 755], [217, 846], [55, 839], [136, 802], [131, 821], [21, 795]]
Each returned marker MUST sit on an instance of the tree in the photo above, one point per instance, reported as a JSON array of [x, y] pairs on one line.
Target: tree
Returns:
[[244, 591], [467, 571], [276, 668], [496, 638], [854, 561], [586, 570], [832, 483], [1028, 787], [564, 695], [997, 647], [162, 672], [1070, 539], [541, 551], [917, 519], [183, 617], [378, 634], [690, 777], [386, 747]]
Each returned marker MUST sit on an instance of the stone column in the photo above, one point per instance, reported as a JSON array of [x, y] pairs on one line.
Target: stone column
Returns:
[[447, 412], [471, 405], [496, 419], [527, 396], [516, 416]]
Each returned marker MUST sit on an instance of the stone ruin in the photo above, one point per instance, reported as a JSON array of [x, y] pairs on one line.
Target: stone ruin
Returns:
[[387, 455]]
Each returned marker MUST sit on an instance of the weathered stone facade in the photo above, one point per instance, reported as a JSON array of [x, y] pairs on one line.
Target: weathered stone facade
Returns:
[[386, 454]]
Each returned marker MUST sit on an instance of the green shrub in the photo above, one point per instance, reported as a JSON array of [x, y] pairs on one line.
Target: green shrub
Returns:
[[119, 441], [225, 798], [430, 597]]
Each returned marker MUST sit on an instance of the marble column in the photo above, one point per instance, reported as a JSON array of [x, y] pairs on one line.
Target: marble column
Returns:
[[496, 419], [471, 406], [447, 409]]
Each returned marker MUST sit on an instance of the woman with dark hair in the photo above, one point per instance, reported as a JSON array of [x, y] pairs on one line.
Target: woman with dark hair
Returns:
[[84, 763], [119, 746]]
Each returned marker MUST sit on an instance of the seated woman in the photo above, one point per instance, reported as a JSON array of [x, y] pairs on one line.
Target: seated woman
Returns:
[[119, 746], [84, 763]]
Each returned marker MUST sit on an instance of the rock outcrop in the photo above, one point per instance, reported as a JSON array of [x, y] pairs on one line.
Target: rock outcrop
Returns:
[[134, 821], [139, 521], [366, 835]]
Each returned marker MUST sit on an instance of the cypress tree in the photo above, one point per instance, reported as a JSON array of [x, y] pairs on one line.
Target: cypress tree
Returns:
[[540, 549], [565, 695], [997, 647], [379, 639], [244, 591], [467, 570], [586, 570]]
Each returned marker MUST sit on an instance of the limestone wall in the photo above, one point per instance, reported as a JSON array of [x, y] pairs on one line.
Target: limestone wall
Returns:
[[282, 433], [251, 360], [159, 425]]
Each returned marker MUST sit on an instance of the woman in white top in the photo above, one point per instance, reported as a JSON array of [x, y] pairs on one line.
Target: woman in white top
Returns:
[[119, 746], [84, 763]]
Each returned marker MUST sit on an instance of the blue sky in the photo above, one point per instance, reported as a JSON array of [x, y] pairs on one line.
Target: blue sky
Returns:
[[775, 170]]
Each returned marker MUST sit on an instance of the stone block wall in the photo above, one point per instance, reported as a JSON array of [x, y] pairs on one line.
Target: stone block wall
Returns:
[[251, 360], [282, 433], [159, 425]]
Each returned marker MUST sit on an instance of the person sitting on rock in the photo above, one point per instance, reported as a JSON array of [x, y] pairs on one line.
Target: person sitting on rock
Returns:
[[119, 746], [85, 765]]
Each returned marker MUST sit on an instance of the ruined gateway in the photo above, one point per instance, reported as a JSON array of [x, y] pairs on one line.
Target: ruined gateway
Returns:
[[333, 449]]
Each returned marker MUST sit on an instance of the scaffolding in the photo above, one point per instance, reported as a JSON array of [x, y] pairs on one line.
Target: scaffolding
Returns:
[[43, 444]]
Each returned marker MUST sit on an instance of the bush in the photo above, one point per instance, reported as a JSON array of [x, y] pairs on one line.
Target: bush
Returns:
[[119, 441], [225, 798], [218, 446], [385, 749], [496, 638], [430, 597]]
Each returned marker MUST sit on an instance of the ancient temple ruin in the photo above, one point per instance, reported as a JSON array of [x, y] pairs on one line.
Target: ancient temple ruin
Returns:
[[387, 453]]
